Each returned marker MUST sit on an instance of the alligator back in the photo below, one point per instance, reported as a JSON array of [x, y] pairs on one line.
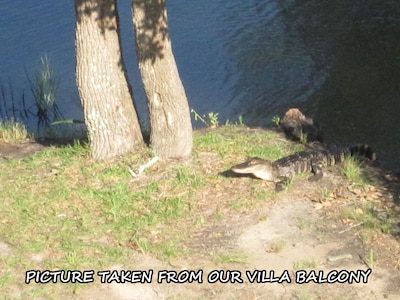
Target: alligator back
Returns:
[[313, 161]]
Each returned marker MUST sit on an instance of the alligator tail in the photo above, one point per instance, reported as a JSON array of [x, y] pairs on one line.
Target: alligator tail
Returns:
[[364, 151]]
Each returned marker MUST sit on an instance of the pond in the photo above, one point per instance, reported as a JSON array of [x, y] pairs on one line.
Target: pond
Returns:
[[338, 61]]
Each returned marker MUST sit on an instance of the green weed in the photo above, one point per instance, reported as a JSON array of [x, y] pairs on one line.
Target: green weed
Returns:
[[239, 122], [276, 120], [212, 119]]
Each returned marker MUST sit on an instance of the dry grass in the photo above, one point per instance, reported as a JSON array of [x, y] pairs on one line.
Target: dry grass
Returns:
[[12, 132]]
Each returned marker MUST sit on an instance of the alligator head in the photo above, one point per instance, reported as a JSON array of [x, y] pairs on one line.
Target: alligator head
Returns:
[[259, 167]]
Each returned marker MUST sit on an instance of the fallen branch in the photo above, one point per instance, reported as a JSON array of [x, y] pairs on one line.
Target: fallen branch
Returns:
[[349, 228], [143, 167]]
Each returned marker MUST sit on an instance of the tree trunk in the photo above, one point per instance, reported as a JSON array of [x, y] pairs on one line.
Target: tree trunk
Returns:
[[110, 116], [171, 128]]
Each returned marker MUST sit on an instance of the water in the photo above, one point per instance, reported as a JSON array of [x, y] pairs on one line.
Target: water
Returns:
[[30, 30], [339, 61]]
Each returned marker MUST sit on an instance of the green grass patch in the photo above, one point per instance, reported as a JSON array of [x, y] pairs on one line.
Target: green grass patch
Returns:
[[352, 170], [371, 220], [187, 177], [77, 214], [242, 142], [62, 210]]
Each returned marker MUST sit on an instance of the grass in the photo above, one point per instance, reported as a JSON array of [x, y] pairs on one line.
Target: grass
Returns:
[[371, 220], [304, 223], [230, 258], [225, 142], [304, 264], [371, 258], [366, 213], [351, 169], [73, 213], [12, 132], [44, 86], [61, 210]]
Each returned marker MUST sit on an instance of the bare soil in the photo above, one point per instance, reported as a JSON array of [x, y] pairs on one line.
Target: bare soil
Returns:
[[300, 229]]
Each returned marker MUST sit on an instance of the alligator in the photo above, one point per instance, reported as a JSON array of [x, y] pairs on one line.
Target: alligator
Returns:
[[282, 170]]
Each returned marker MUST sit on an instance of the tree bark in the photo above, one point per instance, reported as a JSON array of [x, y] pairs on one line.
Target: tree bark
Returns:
[[171, 129], [110, 117]]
